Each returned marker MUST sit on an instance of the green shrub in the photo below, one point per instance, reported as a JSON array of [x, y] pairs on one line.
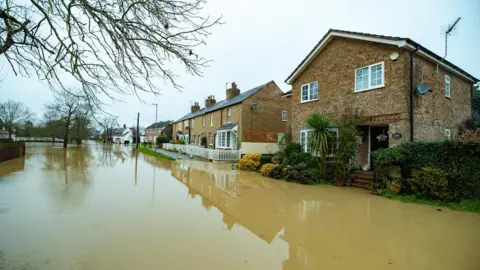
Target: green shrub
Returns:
[[180, 141], [265, 159], [299, 173], [162, 139], [459, 160], [267, 169], [388, 156], [430, 183], [300, 157], [277, 172]]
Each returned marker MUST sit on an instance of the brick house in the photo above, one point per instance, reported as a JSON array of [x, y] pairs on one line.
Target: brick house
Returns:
[[373, 74], [250, 121], [157, 129]]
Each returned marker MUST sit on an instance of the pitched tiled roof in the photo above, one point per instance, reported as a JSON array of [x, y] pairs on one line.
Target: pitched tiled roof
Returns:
[[224, 103], [378, 38], [159, 124]]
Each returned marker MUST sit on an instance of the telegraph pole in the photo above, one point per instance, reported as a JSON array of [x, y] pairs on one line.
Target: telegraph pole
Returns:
[[138, 131]]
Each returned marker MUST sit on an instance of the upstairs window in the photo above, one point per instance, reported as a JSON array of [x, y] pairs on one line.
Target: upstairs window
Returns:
[[309, 92], [369, 77], [447, 86], [211, 119], [284, 116], [185, 123], [203, 120], [193, 123], [229, 115]]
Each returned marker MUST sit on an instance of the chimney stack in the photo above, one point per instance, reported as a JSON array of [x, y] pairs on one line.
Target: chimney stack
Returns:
[[195, 107], [210, 101], [233, 91]]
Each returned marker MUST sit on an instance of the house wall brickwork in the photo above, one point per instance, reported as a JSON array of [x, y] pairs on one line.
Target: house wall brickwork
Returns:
[[434, 112], [262, 122], [334, 69]]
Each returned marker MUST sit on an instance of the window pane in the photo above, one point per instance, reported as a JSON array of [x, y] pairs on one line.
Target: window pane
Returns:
[[314, 90], [305, 92], [447, 86], [362, 79], [376, 75], [228, 138]]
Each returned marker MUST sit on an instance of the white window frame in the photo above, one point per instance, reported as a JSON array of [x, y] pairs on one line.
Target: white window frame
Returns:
[[193, 123], [448, 133], [229, 115], [284, 116], [305, 146], [211, 119], [448, 85], [211, 138], [224, 137], [185, 123], [370, 87], [309, 92], [203, 121]]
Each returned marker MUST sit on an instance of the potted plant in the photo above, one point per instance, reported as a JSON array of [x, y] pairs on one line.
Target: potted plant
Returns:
[[161, 140]]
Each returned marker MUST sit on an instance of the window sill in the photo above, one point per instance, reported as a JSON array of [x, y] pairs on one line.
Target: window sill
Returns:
[[284, 120], [449, 97], [227, 148], [310, 100], [368, 89]]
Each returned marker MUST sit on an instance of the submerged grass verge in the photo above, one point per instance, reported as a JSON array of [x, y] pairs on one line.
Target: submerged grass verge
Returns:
[[464, 205], [150, 152]]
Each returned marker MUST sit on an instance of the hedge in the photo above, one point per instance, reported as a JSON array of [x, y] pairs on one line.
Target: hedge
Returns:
[[459, 160]]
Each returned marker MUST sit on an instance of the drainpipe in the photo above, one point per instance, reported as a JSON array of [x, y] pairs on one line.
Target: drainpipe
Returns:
[[412, 92]]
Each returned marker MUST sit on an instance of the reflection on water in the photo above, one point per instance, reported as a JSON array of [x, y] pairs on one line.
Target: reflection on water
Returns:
[[107, 207]]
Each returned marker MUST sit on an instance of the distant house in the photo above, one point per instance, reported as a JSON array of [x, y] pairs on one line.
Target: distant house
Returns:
[[122, 135], [255, 120], [157, 129], [3, 134]]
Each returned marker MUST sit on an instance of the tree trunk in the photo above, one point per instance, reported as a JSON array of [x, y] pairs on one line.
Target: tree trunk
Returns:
[[65, 137]]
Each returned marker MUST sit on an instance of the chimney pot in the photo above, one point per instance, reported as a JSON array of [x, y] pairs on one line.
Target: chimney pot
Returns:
[[233, 91]]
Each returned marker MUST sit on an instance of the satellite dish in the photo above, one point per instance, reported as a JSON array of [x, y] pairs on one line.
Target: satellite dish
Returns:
[[423, 88], [394, 56]]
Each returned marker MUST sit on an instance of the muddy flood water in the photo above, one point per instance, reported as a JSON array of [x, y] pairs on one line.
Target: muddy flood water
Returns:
[[99, 207]]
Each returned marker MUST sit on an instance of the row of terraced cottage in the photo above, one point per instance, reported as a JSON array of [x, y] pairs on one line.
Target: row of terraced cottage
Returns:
[[404, 91]]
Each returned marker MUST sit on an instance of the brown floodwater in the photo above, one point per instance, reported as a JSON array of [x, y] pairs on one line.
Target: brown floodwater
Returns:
[[99, 207]]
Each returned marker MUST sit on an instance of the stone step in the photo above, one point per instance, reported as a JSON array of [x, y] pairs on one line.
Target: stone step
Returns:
[[362, 184]]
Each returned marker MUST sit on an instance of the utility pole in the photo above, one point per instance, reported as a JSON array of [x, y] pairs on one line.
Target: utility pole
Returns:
[[138, 131]]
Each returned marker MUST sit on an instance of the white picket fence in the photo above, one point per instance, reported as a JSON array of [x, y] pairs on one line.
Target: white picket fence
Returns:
[[211, 154]]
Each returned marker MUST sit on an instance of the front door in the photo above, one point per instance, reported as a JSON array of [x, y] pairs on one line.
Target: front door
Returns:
[[378, 139]]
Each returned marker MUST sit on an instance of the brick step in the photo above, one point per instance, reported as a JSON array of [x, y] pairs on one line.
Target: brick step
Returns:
[[364, 175], [362, 184]]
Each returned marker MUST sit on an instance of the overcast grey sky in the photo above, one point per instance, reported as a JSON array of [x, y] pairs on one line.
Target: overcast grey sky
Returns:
[[265, 40]]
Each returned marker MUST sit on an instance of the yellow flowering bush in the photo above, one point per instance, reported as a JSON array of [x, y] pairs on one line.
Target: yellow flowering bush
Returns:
[[250, 162], [267, 168]]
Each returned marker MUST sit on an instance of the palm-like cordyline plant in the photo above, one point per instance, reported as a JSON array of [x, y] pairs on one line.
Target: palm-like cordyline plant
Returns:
[[319, 136]]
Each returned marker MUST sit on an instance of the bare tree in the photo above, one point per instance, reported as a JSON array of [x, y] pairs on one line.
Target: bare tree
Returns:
[[109, 46], [13, 114], [64, 106], [108, 123], [82, 124]]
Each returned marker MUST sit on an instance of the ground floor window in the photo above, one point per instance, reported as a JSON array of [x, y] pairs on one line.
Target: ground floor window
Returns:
[[223, 139], [211, 138], [332, 143]]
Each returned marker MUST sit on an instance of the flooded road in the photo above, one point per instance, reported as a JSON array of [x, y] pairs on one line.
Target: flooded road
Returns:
[[106, 208]]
